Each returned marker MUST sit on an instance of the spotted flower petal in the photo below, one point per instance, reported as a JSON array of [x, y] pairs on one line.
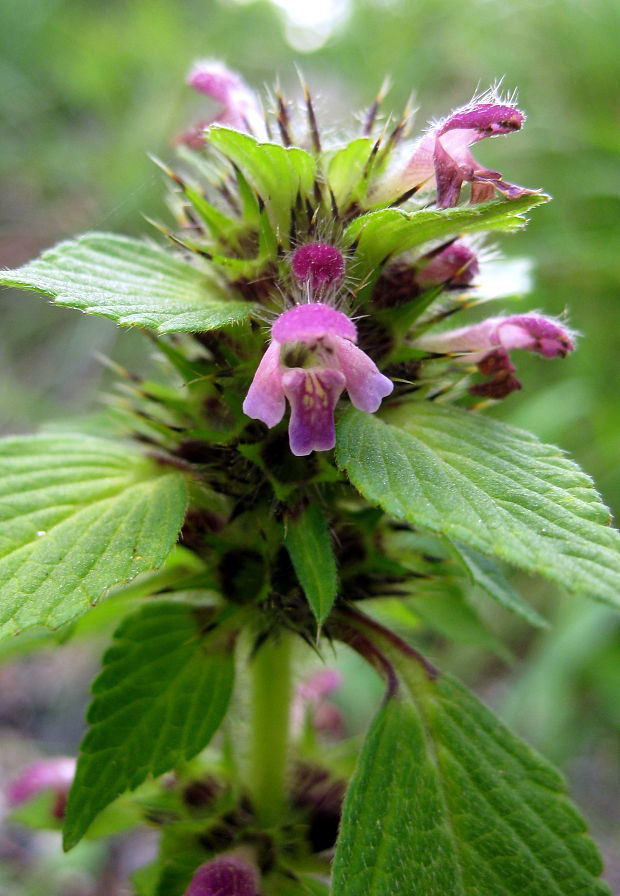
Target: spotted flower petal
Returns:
[[312, 395]]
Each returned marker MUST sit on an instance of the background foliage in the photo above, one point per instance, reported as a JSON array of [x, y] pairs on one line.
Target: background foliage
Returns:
[[88, 88]]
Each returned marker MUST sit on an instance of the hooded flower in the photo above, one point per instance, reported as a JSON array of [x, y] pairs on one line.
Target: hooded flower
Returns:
[[442, 160], [224, 876], [312, 358], [488, 343], [239, 107]]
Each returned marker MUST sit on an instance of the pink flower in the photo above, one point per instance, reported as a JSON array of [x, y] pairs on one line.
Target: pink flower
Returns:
[[224, 876], [239, 107], [312, 358], [54, 774], [488, 343], [312, 695], [442, 160], [455, 265]]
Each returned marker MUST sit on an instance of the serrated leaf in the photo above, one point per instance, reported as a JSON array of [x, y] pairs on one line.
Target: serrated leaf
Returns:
[[278, 174], [486, 574], [309, 546], [132, 282], [346, 170], [158, 701], [388, 232], [489, 485], [77, 516], [447, 802]]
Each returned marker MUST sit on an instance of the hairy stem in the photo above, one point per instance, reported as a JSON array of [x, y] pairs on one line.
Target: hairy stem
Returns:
[[271, 699]]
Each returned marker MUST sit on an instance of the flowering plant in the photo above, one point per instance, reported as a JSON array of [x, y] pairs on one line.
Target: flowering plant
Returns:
[[322, 275]]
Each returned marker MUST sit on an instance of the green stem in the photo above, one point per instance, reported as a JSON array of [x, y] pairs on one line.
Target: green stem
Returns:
[[271, 699]]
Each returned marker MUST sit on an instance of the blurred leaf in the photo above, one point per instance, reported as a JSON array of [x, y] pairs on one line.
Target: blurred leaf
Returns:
[[309, 545], [491, 486], [444, 608], [382, 234], [278, 175], [446, 800], [302, 885], [77, 516], [131, 282], [161, 696], [485, 572], [346, 168]]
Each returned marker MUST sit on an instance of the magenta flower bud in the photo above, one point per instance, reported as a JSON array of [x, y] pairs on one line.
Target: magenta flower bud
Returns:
[[224, 876], [442, 160], [319, 265], [311, 360], [487, 344], [456, 265], [239, 107], [215, 80], [54, 774]]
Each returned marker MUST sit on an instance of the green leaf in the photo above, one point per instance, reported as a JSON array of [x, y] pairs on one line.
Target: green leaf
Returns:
[[309, 545], [346, 170], [77, 516], [295, 884], [158, 701], [486, 574], [444, 608], [279, 175], [447, 802], [132, 282], [219, 224], [388, 232], [486, 484]]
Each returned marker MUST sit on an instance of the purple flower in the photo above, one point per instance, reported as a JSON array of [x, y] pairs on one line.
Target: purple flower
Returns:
[[311, 360], [224, 876], [442, 159], [239, 107], [488, 343], [55, 774]]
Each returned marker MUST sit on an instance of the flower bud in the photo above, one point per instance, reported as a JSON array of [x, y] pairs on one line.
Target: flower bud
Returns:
[[225, 876], [319, 265], [455, 265], [239, 107]]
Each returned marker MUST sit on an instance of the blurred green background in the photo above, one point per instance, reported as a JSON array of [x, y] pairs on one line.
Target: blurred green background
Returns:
[[88, 88]]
